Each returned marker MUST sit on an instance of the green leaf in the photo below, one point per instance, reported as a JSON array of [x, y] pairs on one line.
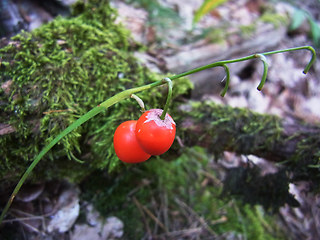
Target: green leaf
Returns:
[[205, 8], [315, 32], [297, 19]]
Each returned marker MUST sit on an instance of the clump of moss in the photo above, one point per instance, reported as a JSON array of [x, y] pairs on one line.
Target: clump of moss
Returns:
[[59, 72], [275, 19], [247, 31], [238, 129]]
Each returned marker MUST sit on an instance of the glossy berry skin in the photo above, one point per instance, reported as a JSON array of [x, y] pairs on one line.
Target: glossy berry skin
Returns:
[[154, 135], [126, 145]]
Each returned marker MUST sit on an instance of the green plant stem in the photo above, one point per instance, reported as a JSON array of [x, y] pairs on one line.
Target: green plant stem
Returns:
[[253, 56], [166, 107], [265, 70], [309, 48], [226, 69], [126, 94]]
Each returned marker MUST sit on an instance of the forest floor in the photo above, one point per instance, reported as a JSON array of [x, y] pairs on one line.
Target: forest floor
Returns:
[[173, 43]]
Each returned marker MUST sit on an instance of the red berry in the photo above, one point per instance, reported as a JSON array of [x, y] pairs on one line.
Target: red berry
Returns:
[[154, 135], [126, 145]]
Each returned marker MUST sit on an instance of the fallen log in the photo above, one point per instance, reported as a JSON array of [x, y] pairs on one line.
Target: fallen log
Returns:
[[294, 144]]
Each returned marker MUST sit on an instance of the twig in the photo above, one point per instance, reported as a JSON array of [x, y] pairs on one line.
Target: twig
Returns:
[[58, 111], [158, 213], [213, 178], [133, 191], [223, 219], [192, 212], [165, 209], [150, 214], [181, 233], [139, 206], [31, 227], [22, 219]]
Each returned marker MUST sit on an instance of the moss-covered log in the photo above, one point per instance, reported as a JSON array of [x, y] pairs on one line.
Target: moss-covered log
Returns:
[[51, 76], [218, 128]]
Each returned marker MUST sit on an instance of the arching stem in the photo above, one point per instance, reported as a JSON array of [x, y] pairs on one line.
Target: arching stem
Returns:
[[265, 70], [309, 48], [226, 69], [166, 107], [253, 56]]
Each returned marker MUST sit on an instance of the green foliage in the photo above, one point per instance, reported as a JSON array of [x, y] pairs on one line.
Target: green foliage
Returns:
[[214, 35], [205, 8], [274, 18], [59, 72], [159, 16], [146, 182], [220, 33], [298, 17], [164, 186], [247, 30]]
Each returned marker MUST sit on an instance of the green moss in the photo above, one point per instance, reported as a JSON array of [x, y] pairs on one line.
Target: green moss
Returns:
[[275, 19], [245, 222], [306, 162], [248, 30], [269, 16], [58, 73], [216, 35], [147, 182], [238, 129], [165, 186]]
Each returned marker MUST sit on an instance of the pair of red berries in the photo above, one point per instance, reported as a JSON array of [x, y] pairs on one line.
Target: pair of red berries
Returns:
[[135, 141]]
